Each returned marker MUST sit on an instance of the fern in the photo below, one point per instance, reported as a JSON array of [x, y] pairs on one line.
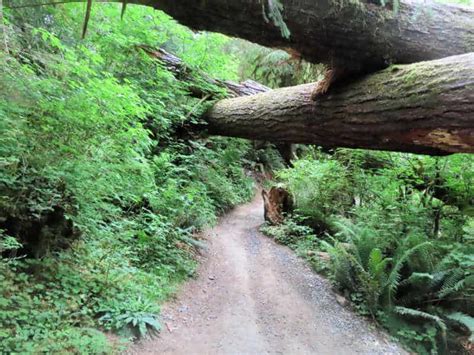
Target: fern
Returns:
[[417, 278], [453, 283], [415, 290], [410, 312], [394, 277], [341, 264], [464, 319], [377, 263], [346, 229]]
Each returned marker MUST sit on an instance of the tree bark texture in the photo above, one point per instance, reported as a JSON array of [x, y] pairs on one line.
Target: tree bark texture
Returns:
[[423, 108], [357, 35], [352, 34], [426, 107], [189, 75]]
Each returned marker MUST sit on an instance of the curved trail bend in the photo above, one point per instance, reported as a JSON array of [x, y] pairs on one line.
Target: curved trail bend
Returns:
[[253, 296]]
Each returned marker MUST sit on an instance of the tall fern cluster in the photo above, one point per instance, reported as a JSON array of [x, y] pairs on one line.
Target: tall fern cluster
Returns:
[[398, 231]]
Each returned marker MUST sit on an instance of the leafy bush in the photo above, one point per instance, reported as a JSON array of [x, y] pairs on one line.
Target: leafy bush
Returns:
[[290, 232], [321, 188], [400, 238], [136, 317], [99, 194]]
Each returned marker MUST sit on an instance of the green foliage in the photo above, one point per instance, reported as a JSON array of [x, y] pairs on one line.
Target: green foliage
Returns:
[[99, 195], [290, 232], [41, 303], [135, 316], [321, 188], [464, 319], [408, 312], [8, 243], [398, 231], [274, 68]]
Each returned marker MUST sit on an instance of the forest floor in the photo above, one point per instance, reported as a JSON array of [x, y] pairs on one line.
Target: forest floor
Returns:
[[253, 296]]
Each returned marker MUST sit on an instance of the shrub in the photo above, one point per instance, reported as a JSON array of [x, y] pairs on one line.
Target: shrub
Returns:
[[99, 194], [400, 238]]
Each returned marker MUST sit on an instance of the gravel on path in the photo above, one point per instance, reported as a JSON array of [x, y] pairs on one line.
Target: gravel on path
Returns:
[[253, 296]]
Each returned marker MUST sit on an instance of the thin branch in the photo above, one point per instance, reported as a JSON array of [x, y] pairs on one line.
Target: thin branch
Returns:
[[124, 7], [195, 106], [88, 16]]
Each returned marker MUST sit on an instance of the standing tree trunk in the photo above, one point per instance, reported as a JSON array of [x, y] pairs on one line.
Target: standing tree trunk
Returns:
[[425, 107]]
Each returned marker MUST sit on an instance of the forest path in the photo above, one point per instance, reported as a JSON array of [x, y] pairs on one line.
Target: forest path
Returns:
[[253, 296]]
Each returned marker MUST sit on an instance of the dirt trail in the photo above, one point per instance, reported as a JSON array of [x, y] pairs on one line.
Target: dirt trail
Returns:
[[253, 296]]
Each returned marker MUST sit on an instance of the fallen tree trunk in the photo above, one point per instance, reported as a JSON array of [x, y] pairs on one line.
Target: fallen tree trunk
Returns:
[[425, 107], [357, 35], [194, 78], [408, 108]]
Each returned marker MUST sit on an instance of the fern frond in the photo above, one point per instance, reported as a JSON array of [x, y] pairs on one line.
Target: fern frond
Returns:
[[453, 283], [464, 319], [417, 278], [410, 312], [377, 263], [393, 280], [346, 229]]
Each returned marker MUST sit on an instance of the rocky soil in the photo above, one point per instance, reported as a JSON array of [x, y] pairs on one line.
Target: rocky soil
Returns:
[[253, 296]]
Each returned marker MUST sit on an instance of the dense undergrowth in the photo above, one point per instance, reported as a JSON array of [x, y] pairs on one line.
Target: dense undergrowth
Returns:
[[102, 190], [395, 234], [100, 196]]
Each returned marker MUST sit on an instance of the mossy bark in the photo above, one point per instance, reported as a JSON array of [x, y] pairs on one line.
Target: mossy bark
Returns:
[[353, 34], [426, 107]]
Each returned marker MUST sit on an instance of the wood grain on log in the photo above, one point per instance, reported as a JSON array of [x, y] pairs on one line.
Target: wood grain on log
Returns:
[[426, 107]]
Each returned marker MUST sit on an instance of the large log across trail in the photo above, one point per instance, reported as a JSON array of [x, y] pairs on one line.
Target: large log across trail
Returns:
[[353, 34], [426, 107], [357, 35]]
